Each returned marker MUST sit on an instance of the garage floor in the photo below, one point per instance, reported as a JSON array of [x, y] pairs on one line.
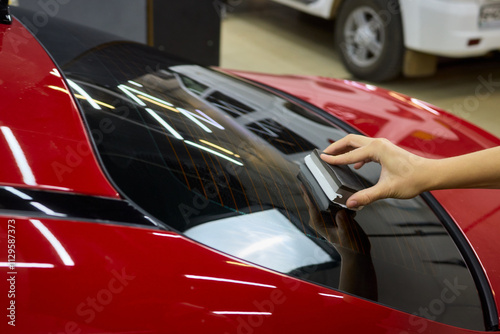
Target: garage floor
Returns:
[[261, 36]]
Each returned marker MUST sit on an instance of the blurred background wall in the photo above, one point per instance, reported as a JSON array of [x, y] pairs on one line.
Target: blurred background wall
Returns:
[[189, 29], [124, 18]]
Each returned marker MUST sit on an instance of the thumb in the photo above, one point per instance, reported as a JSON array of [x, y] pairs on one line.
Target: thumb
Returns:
[[365, 197]]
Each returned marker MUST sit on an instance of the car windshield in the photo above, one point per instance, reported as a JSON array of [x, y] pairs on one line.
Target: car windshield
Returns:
[[217, 159]]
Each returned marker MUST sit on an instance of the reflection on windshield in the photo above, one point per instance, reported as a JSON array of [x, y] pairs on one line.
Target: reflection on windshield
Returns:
[[217, 159], [280, 245]]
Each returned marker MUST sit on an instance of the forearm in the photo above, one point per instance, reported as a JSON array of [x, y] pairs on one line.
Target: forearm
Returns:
[[475, 170], [405, 175]]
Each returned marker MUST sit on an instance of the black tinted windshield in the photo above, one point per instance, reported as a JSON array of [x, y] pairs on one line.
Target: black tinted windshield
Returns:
[[217, 159]]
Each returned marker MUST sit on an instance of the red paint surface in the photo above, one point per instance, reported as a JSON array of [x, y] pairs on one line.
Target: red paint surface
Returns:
[[132, 280], [37, 110]]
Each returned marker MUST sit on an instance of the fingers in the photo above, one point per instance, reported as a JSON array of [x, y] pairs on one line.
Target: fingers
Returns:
[[360, 164], [359, 156], [366, 196], [350, 149], [359, 150], [346, 144]]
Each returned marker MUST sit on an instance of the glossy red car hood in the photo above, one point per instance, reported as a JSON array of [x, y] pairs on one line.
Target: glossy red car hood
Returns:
[[418, 127], [110, 282]]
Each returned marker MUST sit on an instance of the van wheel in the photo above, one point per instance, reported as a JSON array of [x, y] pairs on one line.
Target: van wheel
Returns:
[[369, 38]]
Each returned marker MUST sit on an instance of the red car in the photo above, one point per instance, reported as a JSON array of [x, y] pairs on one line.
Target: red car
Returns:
[[142, 194]]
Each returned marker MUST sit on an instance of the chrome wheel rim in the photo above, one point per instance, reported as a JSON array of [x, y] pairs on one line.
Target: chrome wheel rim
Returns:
[[364, 34]]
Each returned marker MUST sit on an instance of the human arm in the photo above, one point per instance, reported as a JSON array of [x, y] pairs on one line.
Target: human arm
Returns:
[[405, 175]]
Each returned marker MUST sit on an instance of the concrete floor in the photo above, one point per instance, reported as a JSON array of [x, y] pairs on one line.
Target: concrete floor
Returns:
[[261, 36]]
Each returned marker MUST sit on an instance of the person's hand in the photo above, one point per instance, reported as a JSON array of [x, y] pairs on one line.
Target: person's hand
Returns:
[[404, 175]]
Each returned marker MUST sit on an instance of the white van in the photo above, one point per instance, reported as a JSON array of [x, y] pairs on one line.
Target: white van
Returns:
[[379, 39]]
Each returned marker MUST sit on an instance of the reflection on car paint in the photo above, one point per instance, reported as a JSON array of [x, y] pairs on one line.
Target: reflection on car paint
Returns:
[[218, 161]]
